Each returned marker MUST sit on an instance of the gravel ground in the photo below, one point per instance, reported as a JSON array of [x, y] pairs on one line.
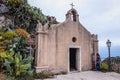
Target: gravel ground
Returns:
[[88, 75]]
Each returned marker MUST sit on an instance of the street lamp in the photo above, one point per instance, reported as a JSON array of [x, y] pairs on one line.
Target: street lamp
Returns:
[[109, 45]]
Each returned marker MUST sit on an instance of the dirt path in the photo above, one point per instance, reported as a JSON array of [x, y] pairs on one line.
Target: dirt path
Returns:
[[88, 75]]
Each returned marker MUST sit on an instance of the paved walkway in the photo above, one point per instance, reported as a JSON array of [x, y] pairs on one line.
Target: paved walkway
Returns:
[[88, 75]]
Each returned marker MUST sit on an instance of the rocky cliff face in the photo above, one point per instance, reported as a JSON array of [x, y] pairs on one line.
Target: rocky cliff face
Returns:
[[18, 13], [3, 8], [4, 21]]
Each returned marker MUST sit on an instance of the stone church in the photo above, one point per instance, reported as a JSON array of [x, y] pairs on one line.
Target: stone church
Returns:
[[66, 46]]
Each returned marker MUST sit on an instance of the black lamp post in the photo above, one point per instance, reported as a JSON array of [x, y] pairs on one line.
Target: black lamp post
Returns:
[[109, 45]]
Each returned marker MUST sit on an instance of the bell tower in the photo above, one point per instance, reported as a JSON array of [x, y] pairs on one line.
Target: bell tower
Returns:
[[72, 15]]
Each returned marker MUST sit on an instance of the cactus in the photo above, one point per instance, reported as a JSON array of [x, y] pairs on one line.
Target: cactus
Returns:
[[16, 60]]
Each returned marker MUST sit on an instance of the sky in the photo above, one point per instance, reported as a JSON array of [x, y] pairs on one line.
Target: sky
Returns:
[[101, 17]]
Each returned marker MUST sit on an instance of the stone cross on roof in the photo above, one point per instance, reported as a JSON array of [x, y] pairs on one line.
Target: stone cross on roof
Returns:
[[72, 5]]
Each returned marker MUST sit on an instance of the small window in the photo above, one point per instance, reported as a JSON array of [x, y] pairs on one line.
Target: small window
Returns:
[[74, 39]]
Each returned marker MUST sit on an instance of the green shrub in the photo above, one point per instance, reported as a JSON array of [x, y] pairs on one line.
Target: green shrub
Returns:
[[22, 32], [104, 67], [15, 61], [44, 74], [9, 35], [6, 37], [24, 15]]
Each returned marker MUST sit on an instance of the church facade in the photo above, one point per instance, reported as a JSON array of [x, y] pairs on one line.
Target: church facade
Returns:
[[66, 46]]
